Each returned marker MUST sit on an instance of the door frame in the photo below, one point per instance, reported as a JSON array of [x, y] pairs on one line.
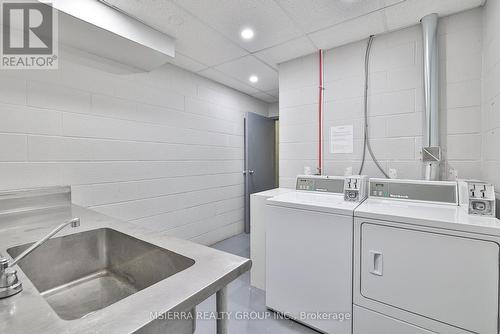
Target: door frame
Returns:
[[246, 172]]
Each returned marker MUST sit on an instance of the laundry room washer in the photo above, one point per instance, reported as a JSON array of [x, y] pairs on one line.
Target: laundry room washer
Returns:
[[258, 223], [309, 254], [422, 264]]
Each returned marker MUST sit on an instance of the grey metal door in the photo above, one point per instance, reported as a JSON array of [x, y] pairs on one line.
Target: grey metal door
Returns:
[[260, 153]]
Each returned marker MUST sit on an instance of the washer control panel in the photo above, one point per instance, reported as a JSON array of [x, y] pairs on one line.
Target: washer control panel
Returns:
[[320, 183], [305, 184]]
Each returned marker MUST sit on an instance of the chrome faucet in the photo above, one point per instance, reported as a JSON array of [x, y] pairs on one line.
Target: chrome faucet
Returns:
[[9, 282]]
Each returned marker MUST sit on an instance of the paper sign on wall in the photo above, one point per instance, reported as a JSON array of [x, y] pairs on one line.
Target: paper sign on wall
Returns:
[[342, 139]]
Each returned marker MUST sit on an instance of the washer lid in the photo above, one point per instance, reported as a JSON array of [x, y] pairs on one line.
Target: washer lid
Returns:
[[272, 192], [329, 203]]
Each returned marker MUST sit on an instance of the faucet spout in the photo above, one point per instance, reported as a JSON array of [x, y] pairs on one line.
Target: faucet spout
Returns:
[[9, 283], [75, 222]]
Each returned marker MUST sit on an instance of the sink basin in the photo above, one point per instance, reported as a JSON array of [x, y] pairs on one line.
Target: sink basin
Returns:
[[81, 273]]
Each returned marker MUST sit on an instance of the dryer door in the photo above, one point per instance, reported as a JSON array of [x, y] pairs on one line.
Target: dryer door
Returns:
[[450, 279]]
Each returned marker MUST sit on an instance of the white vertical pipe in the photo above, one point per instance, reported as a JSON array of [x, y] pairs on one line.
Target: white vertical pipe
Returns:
[[431, 131]]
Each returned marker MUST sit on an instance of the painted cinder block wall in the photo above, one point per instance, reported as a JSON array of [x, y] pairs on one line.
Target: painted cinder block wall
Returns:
[[395, 102], [491, 94], [162, 149]]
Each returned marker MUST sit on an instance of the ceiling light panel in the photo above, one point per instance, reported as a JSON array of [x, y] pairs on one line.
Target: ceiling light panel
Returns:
[[241, 69], [228, 81], [253, 79], [269, 22], [247, 33]]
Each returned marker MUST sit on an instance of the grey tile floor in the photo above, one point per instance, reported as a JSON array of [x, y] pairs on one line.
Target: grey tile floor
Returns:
[[245, 299]]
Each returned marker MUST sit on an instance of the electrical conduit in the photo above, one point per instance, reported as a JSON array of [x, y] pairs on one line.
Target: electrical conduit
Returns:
[[366, 141]]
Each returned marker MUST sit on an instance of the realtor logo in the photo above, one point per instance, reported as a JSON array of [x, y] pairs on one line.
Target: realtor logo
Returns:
[[29, 35]]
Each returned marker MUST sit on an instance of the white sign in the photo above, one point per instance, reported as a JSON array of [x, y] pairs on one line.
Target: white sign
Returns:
[[342, 139]]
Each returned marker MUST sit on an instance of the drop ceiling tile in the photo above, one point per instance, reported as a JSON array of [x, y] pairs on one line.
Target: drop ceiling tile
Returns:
[[265, 97], [224, 79], [313, 15], [350, 31], [391, 2], [193, 38], [270, 23], [274, 92], [286, 51], [411, 11], [187, 63], [207, 31], [241, 69]]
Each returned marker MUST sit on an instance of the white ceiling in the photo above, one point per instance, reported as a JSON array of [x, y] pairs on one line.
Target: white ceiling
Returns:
[[208, 38]]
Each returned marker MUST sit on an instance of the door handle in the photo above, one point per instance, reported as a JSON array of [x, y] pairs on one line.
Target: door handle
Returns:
[[248, 172], [376, 263]]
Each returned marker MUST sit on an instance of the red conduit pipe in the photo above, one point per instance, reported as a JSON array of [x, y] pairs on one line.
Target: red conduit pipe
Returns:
[[320, 115]]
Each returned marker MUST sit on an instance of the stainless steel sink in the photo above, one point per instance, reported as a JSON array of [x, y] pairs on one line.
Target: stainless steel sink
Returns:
[[81, 273]]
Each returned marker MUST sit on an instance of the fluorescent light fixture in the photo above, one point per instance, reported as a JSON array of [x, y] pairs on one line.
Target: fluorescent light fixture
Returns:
[[253, 79], [247, 33], [105, 16]]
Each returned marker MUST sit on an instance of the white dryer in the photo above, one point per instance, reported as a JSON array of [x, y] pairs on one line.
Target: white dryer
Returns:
[[422, 264], [309, 236]]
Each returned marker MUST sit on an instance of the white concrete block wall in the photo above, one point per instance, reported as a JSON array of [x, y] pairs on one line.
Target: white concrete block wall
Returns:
[[163, 149], [395, 102], [461, 63], [298, 117], [491, 93]]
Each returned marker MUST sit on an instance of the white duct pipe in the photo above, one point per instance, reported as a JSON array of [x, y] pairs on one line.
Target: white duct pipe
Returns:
[[431, 131]]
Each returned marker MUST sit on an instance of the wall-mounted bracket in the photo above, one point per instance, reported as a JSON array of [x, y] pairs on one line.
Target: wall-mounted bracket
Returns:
[[431, 154]]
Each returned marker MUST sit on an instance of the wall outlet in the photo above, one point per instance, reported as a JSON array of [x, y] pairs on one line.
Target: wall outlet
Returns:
[[452, 174], [393, 173]]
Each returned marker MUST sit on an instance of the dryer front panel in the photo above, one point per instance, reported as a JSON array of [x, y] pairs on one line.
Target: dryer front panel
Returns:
[[451, 279]]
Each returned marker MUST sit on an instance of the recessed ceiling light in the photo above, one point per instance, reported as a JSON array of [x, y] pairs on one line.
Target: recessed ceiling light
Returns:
[[253, 78], [247, 33]]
